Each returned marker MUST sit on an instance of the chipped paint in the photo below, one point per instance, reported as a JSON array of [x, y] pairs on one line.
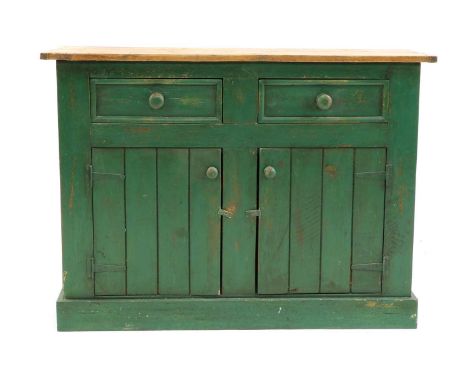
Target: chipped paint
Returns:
[[64, 276], [231, 209], [330, 170], [280, 309], [71, 198], [402, 194], [376, 304]]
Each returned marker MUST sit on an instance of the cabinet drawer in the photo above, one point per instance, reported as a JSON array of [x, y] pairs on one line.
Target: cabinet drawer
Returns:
[[156, 100], [309, 101]]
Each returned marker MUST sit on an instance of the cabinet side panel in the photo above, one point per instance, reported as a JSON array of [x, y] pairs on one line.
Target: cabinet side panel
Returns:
[[141, 215], [239, 231], [399, 210], [368, 218], [205, 222], [109, 221], [173, 221], [337, 207], [306, 220], [273, 231], [76, 197]]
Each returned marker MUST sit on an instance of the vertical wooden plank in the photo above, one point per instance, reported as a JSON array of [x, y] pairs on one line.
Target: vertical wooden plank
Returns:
[[273, 231], [337, 207], [240, 230], [205, 222], [173, 221], [75, 182], [368, 217], [399, 210], [109, 221], [140, 199], [306, 220]]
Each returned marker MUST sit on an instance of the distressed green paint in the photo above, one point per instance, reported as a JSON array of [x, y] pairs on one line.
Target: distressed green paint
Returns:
[[239, 231], [337, 209], [306, 220], [160, 235], [399, 210], [205, 223], [240, 135], [122, 100], [173, 221], [109, 221], [237, 313], [296, 101], [273, 226], [75, 180], [368, 218], [141, 221]]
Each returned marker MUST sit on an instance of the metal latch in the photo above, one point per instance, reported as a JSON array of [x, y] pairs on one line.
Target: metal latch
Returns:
[[255, 213]]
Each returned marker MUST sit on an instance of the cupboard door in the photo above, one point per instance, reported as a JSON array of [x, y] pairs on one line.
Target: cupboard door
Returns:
[[157, 230], [321, 224]]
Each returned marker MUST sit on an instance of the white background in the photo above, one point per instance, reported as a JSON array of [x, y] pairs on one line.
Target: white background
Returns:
[[30, 267]]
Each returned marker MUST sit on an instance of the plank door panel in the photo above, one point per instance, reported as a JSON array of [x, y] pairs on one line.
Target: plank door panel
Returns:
[[141, 217], [306, 216], [273, 230], [109, 222], [173, 221], [240, 229], [368, 218], [337, 205], [205, 223]]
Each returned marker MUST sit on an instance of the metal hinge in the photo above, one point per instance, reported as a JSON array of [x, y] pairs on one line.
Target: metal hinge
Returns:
[[378, 174], [98, 268], [370, 267], [92, 174]]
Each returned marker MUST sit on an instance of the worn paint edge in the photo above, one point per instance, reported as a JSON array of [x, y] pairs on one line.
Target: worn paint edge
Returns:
[[236, 313]]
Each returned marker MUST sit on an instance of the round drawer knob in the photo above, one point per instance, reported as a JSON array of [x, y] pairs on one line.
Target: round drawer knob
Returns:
[[212, 172], [156, 101], [269, 172], [324, 101]]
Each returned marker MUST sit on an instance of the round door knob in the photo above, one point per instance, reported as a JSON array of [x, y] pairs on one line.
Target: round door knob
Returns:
[[269, 172], [212, 172], [324, 101], [156, 101]]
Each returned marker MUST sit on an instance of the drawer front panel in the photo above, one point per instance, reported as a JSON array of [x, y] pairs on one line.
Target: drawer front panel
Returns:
[[156, 100], [309, 101]]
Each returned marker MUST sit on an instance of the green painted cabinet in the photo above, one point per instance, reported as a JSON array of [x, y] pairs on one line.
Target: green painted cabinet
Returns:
[[238, 193]]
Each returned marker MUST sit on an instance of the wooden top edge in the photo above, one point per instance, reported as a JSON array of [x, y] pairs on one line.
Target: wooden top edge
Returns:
[[233, 55]]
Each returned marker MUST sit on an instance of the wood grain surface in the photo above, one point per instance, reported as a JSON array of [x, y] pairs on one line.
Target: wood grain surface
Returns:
[[233, 55]]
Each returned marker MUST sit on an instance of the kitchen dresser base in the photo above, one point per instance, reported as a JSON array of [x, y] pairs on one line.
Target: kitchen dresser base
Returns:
[[236, 313]]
